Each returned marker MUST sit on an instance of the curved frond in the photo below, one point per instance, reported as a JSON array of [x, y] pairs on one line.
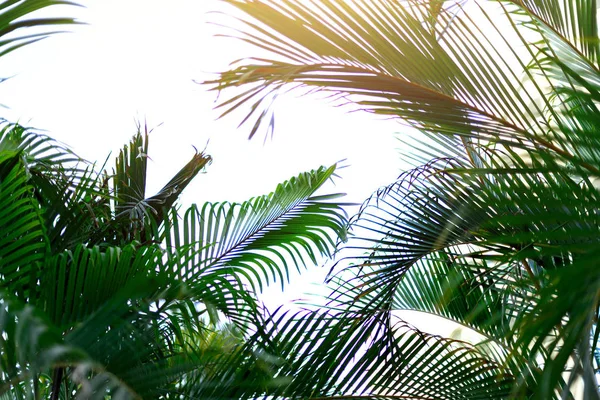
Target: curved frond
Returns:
[[464, 76], [512, 231], [93, 274], [15, 17], [385, 57], [259, 240], [362, 355]]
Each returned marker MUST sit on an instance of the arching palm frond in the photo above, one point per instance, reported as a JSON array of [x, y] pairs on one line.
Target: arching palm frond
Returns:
[[129, 338], [361, 354], [93, 274], [453, 79], [258, 241], [512, 232], [122, 347], [15, 18], [576, 23], [38, 150], [386, 58]]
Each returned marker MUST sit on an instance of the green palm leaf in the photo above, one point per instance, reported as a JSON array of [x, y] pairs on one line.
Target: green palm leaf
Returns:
[[259, 240], [23, 242], [452, 80], [93, 274], [12, 13], [322, 355], [126, 339], [65, 191], [576, 22], [388, 62], [134, 322]]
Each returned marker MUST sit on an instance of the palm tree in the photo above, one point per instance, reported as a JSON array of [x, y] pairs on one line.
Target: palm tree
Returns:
[[108, 292], [495, 229]]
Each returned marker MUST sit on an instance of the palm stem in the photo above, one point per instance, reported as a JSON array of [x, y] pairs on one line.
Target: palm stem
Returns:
[[56, 381]]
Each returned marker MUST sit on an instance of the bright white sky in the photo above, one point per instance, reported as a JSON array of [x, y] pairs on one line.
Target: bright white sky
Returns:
[[138, 59]]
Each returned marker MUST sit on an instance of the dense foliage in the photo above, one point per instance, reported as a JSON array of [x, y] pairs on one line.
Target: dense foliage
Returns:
[[106, 290], [496, 228], [109, 292]]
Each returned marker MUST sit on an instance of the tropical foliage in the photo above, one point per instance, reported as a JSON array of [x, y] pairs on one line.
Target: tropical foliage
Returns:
[[109, 292], [495, 229]]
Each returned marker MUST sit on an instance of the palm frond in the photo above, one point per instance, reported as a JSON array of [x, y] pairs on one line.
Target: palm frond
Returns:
[[91, 273], [23, 242], [561, 321], [125, 340], [513, 230], [259, 240], [385, 58], [462, 78], [65, 187], [324, 355], [15, 17], [575, 21]]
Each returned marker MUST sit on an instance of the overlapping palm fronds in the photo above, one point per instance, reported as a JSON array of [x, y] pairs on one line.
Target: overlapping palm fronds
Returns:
[[499, 232], [134, 306], [106, 291]]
